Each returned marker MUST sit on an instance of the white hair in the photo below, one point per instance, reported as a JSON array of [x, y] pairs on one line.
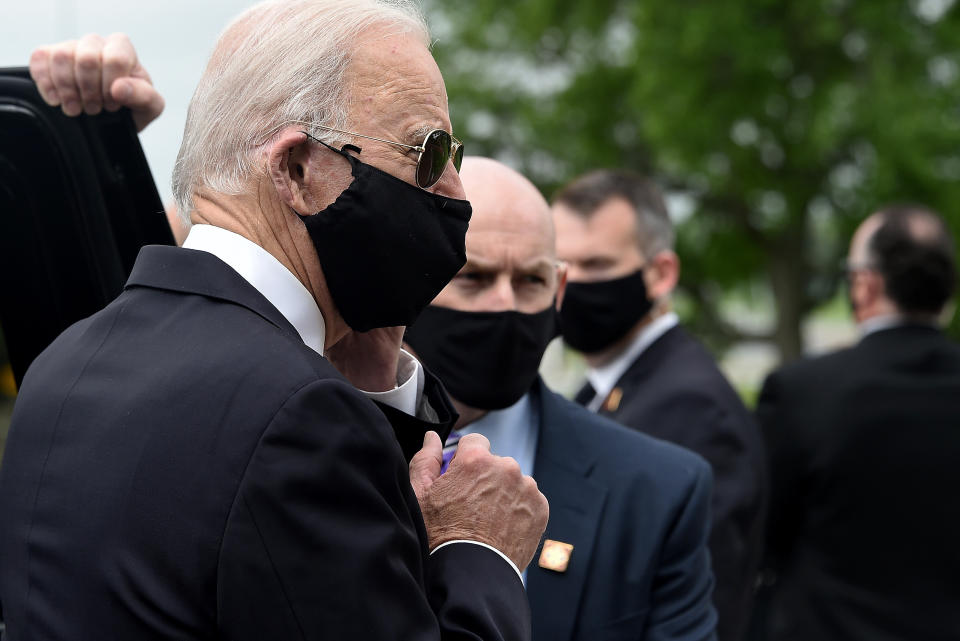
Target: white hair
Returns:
[[279, 61]]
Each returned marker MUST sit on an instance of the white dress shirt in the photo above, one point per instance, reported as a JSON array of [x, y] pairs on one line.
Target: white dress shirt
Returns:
[[604, 378], [285, 292]]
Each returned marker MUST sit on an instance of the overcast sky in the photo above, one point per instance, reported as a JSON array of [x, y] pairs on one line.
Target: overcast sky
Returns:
[[173, 38]]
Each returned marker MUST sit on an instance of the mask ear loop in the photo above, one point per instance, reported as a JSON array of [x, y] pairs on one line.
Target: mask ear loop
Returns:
[[342, 151]]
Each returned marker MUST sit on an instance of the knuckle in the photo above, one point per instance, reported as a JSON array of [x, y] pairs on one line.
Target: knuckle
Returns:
[[511, 468], [40, 56], [115, 62], [88, 61], [63, 54], [471, 457], [530, 484]]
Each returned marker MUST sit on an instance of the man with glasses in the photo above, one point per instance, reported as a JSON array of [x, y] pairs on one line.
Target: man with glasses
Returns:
[[625, 552], [646, 372], [195, 460], [863, 446]]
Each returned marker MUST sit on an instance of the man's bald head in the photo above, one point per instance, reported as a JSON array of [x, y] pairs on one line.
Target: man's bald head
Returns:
[[511, 252], [505, 200], [911, 250]]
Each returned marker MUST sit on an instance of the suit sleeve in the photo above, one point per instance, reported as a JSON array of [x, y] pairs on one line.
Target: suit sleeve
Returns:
[[737, 507], [325, 540], [784, 453], [682, 607]]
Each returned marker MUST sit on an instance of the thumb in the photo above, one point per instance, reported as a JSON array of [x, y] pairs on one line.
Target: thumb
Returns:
[[140, 96], [425, 464]]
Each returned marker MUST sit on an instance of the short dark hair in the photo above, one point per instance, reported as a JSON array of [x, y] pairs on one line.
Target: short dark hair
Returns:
[[588, 192], [913, 251]]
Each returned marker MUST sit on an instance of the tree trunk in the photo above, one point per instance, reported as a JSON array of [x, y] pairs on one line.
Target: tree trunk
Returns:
[[788, 279]]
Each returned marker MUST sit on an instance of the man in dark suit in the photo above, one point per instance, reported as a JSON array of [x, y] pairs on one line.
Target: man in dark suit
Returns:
[[625, 555], [188, 463], [647, 373], [863, 447]]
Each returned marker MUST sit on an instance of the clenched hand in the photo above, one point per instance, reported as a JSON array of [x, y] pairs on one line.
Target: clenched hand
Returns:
[[94, 73], [482, 497]]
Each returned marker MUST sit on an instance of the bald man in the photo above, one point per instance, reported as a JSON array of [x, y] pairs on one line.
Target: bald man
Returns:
[[864, 445], [625, 554]]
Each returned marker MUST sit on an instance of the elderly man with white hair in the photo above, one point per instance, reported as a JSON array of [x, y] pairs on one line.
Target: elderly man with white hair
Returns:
[[197, 459]]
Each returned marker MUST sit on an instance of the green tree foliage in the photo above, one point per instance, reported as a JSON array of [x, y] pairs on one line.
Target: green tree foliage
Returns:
[[784, 122]]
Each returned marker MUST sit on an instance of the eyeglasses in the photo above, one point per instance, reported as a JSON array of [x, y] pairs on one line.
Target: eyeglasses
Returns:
[[437, 149]]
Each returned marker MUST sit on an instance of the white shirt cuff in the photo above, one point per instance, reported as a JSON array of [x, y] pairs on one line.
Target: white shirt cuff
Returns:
[[410, 380], [489, 547]]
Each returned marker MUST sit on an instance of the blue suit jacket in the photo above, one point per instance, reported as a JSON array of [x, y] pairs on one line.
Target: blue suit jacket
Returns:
[[636, 510]]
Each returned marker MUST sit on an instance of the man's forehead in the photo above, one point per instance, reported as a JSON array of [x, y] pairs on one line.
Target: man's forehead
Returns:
[[480, 260], [391, 67]]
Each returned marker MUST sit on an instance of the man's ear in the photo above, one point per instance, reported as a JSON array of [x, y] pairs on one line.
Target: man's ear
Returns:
[[662, 275], [289, 161]]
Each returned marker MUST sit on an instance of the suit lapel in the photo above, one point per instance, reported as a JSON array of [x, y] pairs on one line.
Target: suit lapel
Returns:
[[561, 469], [643, 367]]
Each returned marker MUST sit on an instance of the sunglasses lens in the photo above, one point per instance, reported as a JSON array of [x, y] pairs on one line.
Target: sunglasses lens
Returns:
[[458, 156], [433, 160]]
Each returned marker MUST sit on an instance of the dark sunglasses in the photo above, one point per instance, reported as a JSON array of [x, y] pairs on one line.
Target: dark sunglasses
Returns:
[[437, 149]]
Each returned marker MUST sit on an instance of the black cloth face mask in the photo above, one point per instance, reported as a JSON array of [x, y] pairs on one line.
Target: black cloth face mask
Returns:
[[387, 248], [596, 315], [486, 360]]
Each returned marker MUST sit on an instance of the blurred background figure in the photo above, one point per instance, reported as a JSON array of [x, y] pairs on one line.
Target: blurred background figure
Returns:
[[646, 372], [626, 550], [864, 447]]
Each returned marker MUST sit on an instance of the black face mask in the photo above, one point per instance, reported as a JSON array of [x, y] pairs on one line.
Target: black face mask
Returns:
[[486, 360], [596, 315], [387, 248]]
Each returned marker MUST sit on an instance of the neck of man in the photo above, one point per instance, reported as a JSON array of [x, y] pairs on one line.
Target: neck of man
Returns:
[[609, 354], [467, 414], [878, 308], [891, 311], [259, 217]]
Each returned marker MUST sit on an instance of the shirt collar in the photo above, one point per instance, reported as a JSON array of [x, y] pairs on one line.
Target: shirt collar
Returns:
[[604, 378], [880, 323], [511, 431], [890, 321], [268, 276]]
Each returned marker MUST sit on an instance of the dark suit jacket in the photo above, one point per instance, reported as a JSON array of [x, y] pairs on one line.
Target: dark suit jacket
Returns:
[[865, 466], [636, 510], [181, 466], [674, 391]]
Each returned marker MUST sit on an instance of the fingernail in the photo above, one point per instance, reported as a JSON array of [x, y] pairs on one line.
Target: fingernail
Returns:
[[125, 90], [92, 110], [72, 107]]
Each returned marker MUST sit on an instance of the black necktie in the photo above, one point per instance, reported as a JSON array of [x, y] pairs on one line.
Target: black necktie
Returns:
[[585, 395]]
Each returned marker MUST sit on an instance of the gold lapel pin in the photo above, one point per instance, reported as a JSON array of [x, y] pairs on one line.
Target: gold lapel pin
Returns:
[[613, 400], [555, 555]]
